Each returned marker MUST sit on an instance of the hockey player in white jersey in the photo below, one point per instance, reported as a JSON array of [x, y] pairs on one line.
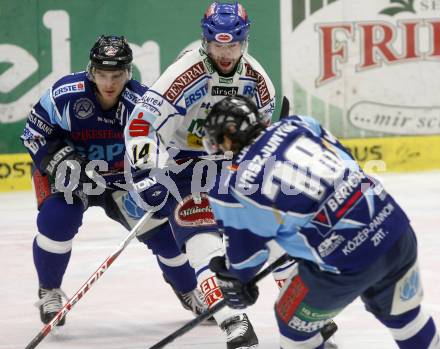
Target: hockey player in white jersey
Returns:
[[166, 127]]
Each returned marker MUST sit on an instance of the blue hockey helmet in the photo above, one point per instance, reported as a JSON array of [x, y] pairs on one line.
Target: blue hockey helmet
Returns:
[[225, 23]]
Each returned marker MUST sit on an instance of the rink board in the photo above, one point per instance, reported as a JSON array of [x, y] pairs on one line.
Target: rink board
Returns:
[[15, 172], [397, 154]]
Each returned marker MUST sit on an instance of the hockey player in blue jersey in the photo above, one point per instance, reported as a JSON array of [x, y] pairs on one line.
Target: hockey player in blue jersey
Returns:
[[82, 118], [295, 184]]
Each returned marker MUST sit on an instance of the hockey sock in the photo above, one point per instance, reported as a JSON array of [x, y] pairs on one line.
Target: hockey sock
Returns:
[[200, 249], [173, 263], [50, 266], [314, 342], [282, 273], [178, 273], [413, 329]]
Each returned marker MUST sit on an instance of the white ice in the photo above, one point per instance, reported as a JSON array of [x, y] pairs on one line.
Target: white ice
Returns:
[[131, 306]]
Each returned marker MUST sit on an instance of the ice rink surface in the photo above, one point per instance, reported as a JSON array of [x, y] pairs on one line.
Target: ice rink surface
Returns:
[[131, 307]]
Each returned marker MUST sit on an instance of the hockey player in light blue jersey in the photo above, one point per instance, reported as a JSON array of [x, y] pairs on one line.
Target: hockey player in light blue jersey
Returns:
[[295, 184], [82, 118]]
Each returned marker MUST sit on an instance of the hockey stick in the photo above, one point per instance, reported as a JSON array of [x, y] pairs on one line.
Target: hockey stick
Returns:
[[285, 106], [88, 284], [202, 317], [116, 180]]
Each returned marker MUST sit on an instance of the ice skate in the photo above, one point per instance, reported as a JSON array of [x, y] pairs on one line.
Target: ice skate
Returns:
[[192, 300], [331, 343], [50, 303], [240, 333]]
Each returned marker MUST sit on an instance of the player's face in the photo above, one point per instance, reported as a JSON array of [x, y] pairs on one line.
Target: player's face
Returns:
[[226, 145], [110, 84], [225, 56]]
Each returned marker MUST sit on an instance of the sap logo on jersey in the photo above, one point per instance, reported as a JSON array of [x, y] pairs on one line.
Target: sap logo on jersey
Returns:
[[194, 96], [69, 88], [224, 91], [109, 152]]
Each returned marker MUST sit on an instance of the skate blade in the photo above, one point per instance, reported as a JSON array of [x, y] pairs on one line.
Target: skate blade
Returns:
[[331, 343]]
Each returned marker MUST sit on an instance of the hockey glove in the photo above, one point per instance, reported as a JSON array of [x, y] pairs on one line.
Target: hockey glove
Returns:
[[64, 152], [237, 295], [153, 195]]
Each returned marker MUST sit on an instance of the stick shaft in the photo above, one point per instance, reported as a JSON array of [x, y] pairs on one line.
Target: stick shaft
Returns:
[[202, 317], [88, 284]]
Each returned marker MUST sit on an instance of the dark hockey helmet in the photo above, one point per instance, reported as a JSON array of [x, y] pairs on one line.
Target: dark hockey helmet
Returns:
[[111, 53], [236, 117]]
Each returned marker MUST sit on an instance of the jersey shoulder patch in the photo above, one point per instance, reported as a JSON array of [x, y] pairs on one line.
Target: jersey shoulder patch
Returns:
[[73, 83], [265, 89], [134, 91], [179, 76]]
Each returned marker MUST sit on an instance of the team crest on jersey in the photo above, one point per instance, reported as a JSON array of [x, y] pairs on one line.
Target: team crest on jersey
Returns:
[[83, 108], [194, 212]]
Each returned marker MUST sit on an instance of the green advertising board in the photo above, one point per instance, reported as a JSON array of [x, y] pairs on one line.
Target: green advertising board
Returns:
[[364, 69], [42, 40]]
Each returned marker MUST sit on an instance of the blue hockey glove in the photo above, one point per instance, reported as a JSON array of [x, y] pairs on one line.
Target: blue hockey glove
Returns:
[[237, 295], [150, 194]]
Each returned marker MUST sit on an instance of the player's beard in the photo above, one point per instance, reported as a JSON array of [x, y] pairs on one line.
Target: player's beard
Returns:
[[219, 69]]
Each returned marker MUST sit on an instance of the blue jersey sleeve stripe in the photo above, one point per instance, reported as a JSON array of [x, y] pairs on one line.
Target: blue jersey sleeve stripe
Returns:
[[312, 125], [48, 105], [241, 215], [348, 161], [253, 261], [65, 118]]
